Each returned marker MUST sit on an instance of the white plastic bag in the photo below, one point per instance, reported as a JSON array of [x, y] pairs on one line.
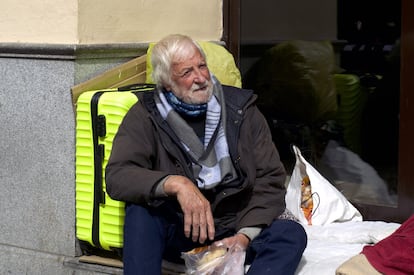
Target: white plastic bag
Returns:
[[328, 205], [215, 260]]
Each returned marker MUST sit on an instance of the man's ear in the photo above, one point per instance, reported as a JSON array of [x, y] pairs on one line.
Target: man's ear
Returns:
[[167, 85]]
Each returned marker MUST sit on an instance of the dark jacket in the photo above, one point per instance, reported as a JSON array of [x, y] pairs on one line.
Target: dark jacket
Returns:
[[145, 150]]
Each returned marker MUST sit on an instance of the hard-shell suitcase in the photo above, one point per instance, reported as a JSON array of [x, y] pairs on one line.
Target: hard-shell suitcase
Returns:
[[99, 219]]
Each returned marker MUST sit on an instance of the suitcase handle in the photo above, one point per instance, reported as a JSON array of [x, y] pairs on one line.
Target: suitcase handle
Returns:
[[98, 130], [99, 192], [137, 86]]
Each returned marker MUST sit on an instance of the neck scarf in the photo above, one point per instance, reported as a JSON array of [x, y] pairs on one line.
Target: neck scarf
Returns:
[[212, 164], [191, 110]]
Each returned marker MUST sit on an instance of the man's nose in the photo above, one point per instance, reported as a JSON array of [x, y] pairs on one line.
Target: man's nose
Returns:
[[199, 77]]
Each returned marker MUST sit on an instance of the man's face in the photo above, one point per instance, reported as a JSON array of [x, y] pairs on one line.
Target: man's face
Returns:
[[191, 81]]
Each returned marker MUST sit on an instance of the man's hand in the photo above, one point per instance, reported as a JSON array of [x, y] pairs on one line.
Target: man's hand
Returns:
[[239, 240], [198, 218]]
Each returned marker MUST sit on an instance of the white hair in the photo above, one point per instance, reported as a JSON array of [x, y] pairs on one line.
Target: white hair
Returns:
[[173, 48]]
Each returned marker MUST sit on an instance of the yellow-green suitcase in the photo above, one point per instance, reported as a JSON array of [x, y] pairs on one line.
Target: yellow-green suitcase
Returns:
[[99, 219]]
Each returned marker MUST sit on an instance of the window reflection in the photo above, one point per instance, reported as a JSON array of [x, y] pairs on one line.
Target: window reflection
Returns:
[[351, 137], [364, 164], [369, 153], [355, 145]]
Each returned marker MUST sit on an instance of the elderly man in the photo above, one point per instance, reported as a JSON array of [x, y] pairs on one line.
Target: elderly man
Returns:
[[195, 163]]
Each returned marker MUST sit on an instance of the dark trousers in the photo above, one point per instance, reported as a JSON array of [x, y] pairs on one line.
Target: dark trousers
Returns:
[[153, 234]]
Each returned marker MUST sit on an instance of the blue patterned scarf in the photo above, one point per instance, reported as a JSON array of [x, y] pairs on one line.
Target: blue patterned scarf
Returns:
[[192, 110]]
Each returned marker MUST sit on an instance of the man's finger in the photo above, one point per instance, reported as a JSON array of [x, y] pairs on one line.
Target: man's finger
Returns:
[[210, 225], [195, 226], [187, 224], [203, 228]]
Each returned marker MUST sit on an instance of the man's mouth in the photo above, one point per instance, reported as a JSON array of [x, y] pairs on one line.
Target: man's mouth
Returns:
[[200, 88]]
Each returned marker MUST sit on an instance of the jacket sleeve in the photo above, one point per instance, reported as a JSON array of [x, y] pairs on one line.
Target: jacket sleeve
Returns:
[[129, 173], [266, 172]]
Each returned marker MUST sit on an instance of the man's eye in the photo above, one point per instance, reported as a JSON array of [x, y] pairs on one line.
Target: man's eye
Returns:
[[185, 74]]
